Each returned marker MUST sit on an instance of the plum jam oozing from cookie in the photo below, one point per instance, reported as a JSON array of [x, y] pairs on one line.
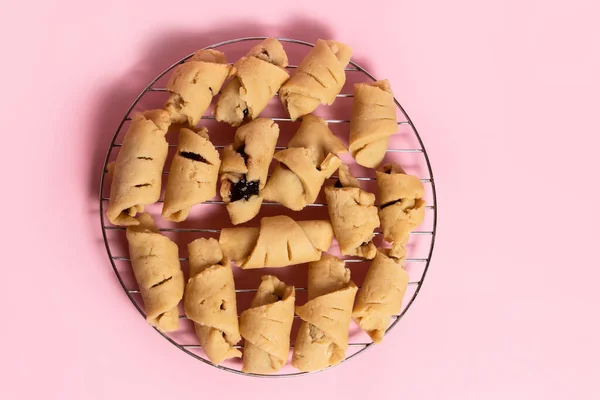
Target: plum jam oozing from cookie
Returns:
[[389, 203], [193, 156], [243, 190]]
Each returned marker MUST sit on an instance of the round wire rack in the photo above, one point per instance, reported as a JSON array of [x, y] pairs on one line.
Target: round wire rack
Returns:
[[406, 148]]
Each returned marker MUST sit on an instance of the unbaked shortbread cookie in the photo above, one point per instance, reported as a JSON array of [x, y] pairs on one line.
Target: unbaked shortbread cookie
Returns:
[[280, 241], [266, 327], [245, 168], [210, 300], [303, 167], [258, 77], [381, 294], [401, 204], [193, 174], [353, 215], [372, 123], [155, 262], [318, 79], [193, 85], [322, 340], [137, 172]]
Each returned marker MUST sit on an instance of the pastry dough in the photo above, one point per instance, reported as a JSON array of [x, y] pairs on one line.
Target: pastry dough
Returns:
[[193, 85], [318, 79], [193, 174], [155, 262], [266, 327], [245, 168], [372, 123], [258, 77], [137, 172], [322, 340], [353, 215], [303, 167], [381, 295], [401, 204], [210, 300], [280, 241]]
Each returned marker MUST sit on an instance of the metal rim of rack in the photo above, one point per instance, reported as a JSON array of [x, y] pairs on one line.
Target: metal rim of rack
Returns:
[[430, 180]]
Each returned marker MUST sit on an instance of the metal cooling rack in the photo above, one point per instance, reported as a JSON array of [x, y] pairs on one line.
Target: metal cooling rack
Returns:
[[431, 208]]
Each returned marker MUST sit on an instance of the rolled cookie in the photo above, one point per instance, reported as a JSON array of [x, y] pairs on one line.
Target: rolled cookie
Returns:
[[193, 174], [381, 294], [322, 340], [258, 77], [303, 167], [401, 204], [318, 79], [372, 122], [353, 215], [210, 300], [156, 267], [266, 327], [193, 85], [137, 172], [280, 241], [245, 168]]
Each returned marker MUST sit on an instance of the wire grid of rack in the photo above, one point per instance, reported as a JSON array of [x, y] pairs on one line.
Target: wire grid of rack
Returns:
[[431, 208]]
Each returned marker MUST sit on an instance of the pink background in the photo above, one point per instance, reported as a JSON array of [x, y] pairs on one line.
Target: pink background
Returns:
[[505, 96]]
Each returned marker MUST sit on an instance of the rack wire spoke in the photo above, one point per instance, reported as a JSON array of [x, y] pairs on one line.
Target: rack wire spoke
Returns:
[[405, 121]]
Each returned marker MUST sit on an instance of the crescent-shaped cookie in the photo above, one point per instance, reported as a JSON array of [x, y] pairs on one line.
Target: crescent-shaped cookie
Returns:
[[156, 267]]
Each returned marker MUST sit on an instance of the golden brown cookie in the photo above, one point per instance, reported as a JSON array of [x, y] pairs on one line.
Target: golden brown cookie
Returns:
[[193, 174], [245, 168], [266, 327], [155, 262], [193, 85], [322, 340], [303, 167], [137, 172], [381, 294], [318, 79], [401, 204], [372, 122], [353, 215], [280, 241], [210, 300], [258, 77]]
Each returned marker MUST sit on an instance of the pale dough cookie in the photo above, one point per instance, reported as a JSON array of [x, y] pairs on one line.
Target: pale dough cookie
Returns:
[[353, 215], [372, 123], [210, 300], [266, 327], [380, 296], [193, 174], [318, 79], [322, 340], [258, 77], [155, 262], [193, 85], [280, 241], [303, 167], [245, 168], [401, 204], [137, 172]]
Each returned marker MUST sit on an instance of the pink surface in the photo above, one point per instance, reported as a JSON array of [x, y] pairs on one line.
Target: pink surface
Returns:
[[505, 97]]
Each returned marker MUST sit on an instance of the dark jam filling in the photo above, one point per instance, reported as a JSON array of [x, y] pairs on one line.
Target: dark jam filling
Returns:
[[338, 184], [390, 203], [242, 190], [193, 156]]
